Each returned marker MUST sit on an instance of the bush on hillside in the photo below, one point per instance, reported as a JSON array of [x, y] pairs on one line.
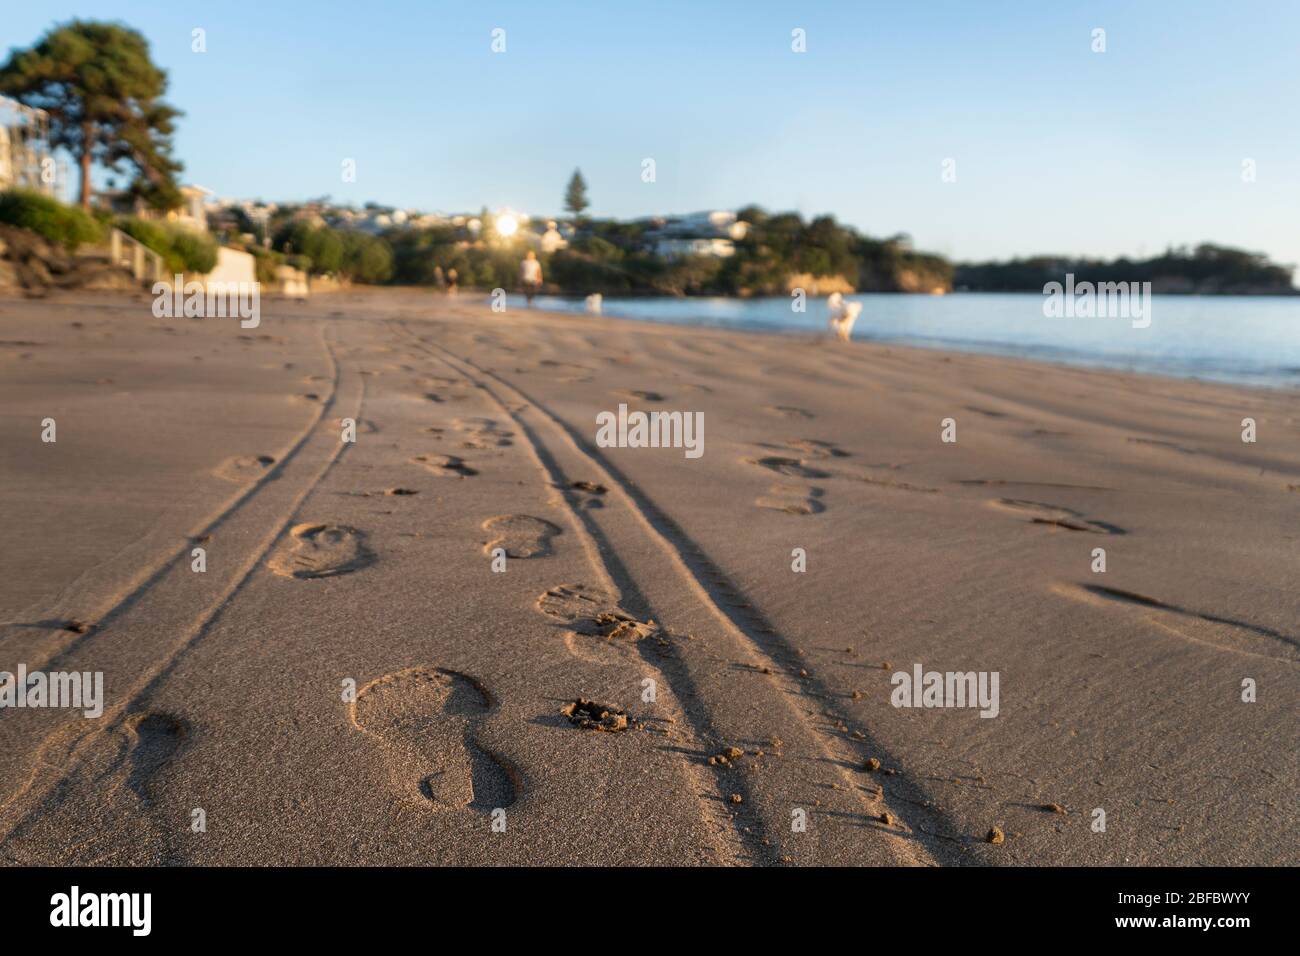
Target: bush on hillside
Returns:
[[182, 249], [64, 225]]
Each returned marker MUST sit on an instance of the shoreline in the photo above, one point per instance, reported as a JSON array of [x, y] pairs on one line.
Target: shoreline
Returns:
[[942, 348]]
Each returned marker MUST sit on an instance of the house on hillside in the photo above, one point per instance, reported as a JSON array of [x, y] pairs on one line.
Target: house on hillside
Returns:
[[710, 233], [26, 161]]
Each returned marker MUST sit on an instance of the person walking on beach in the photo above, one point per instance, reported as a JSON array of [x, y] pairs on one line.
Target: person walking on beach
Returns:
[[530, 272]]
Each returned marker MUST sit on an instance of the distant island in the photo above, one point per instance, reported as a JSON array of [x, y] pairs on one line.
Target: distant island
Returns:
[[1204, 270]]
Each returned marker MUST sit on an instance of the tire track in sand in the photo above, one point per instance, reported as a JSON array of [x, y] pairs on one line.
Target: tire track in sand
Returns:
[[71, 751], [119, 602], [818, 774]]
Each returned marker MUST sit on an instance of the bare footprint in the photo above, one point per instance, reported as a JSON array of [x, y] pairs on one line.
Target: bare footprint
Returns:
[[155, 738], [1040, 513], [445, 466], [789, 411], [483, 433], [321, 551], [792, 499], [522, 536], [1213, 630], [244, 468], [595, 627], [425, 718], [790, 467]]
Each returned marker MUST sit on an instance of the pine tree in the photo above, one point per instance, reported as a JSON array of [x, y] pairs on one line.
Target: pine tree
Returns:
[[103, 94], [575, 196]]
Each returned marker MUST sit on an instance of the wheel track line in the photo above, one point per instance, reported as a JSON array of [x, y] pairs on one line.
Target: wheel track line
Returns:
[[114, 605], [836, 752], [45, 777], [734, 844]]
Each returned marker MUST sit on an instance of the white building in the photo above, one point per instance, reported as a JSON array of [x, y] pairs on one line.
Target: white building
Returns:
[[711, 233], [25, 158], [669, 248]]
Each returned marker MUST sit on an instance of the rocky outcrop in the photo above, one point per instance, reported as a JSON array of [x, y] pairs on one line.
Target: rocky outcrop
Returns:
[[33, 266]]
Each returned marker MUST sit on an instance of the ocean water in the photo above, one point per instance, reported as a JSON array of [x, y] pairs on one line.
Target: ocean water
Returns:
[[1250, 340]]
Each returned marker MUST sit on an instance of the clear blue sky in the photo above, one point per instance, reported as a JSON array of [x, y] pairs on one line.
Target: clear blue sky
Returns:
[[1057, 148]]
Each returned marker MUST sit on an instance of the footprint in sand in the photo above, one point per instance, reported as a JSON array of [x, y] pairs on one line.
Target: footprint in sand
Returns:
[[522, 536], [586, 494], [244, 468], [596, 629], [643, 396], [811, 447], [792, 499], [364, 425], [1213, 630], [445, 466], [425, 718], [321, 551], [789, 411], [790, 467], [1039, 513], [154, 740], [97, 771], [483, 433]]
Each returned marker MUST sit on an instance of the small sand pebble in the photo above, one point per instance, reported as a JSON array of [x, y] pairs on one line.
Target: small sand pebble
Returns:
[[871, 765], [737, 798], [1055, 808], [995, 836]]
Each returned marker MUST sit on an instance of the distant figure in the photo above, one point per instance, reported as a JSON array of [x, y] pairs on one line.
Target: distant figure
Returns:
[[593, 303], [530, 271], [843, 315], [439, 279], [452, 276]]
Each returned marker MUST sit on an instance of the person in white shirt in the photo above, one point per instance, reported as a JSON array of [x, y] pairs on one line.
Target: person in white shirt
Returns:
[[530, 271]]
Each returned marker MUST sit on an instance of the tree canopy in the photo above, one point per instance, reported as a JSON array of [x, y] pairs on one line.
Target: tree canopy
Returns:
[[103, 94]]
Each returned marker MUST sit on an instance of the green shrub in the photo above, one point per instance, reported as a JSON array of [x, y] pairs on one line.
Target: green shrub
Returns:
[[182, 249], [64, 225]]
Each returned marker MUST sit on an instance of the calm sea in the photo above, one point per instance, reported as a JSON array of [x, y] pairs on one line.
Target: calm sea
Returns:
[[1252, 340]]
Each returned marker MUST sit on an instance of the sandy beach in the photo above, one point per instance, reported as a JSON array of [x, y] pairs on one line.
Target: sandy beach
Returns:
[[357, 676]]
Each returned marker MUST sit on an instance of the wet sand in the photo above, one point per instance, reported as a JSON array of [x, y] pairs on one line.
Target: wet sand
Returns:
[[353, 678]]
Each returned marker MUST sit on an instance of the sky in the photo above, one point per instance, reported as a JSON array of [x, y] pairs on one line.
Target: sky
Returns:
[[1055, 148]]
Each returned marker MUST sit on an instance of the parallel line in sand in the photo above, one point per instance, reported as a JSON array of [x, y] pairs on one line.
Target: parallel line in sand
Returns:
[[45, 777], [915, 845], [737, 843], [114, 605]]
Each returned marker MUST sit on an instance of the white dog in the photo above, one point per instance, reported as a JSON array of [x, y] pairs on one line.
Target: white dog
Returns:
[[843, 315], [594, 302]]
